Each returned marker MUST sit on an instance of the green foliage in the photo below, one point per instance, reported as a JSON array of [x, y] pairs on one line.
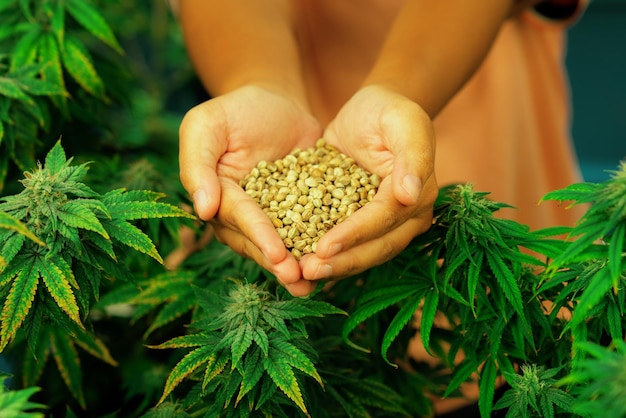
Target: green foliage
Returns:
[[16, 404], [48, 58], [248, 340], [47, 290], [534, 393], [599, 381], [493, 299]]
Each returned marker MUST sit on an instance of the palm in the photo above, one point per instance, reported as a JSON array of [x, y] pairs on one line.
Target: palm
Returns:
[[260, 126]]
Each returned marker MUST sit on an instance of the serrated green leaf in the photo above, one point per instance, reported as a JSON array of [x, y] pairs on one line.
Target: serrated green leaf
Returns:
[[35, 361], [240, 340], [186, 341], [55, 159], [19, 301], [254, 369], [146, 210], [40, 87], [25, 49], [15, 403], [93, 345], [461, 374], [57, 22], [57, 284], [185, 367], [165, 287], [294, 356], [132, 237], [68, 363], [10, 87], [260, 338], [77, 214], [579, 192], [399, 322], [597, 288], [13, 269], [102, 243], [78, 63], [90, 19], [302, 308], [274, 320], [215, 366], [487, 389], [384, 297], [429, 312], [8, 221], [506, 280], [52, 72], [171, 312], [282, 375], [616, 249]]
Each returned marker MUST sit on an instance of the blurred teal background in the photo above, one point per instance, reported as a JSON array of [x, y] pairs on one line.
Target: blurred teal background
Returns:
[[596, 63]]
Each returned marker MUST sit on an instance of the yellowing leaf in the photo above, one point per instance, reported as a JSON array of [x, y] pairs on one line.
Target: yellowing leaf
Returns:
[[18, 302], [184, 368], [77, 61], [132, 236], [90, 19], [92, 345], [68, 363], [10, 88], [58, 286], [146, 210], [52, 71], [296, 358], [216, 364], [25, 51], [283, 377], [10, 222]]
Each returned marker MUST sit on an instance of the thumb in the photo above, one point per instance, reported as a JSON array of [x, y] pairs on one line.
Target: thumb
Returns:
[[414, 157], [198, 162]]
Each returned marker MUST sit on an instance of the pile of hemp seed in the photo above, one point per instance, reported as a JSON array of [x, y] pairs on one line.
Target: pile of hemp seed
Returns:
[[308, 192]]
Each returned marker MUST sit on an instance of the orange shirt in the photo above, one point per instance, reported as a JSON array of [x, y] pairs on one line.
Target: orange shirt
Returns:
[[508, 130]]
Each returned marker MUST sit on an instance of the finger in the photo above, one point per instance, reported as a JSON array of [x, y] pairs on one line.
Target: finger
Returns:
[[202, 141], [362, 257], [413, 159], [287, 271], [241, 213], [370, 222]]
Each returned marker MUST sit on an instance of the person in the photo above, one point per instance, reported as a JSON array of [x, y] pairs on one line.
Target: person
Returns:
[[422, 93]]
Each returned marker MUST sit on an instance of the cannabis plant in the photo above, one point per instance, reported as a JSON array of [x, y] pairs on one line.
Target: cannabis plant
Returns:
[[52, 55], [79, 241]]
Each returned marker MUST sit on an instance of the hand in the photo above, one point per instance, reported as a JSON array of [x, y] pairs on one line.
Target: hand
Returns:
[[221, 140], [391, 136]]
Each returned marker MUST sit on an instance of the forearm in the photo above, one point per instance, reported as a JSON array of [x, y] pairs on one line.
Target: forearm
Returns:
[[434, 47], [235, 43]]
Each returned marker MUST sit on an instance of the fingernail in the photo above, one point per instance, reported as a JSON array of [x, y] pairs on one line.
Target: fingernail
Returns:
[[412, 185], [323, 271], [199, 201]]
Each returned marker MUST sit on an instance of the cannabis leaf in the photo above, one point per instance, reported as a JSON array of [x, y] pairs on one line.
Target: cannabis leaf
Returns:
[[85, 235], [534, 392], [16, 403], [599, 381], [248, 340]]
